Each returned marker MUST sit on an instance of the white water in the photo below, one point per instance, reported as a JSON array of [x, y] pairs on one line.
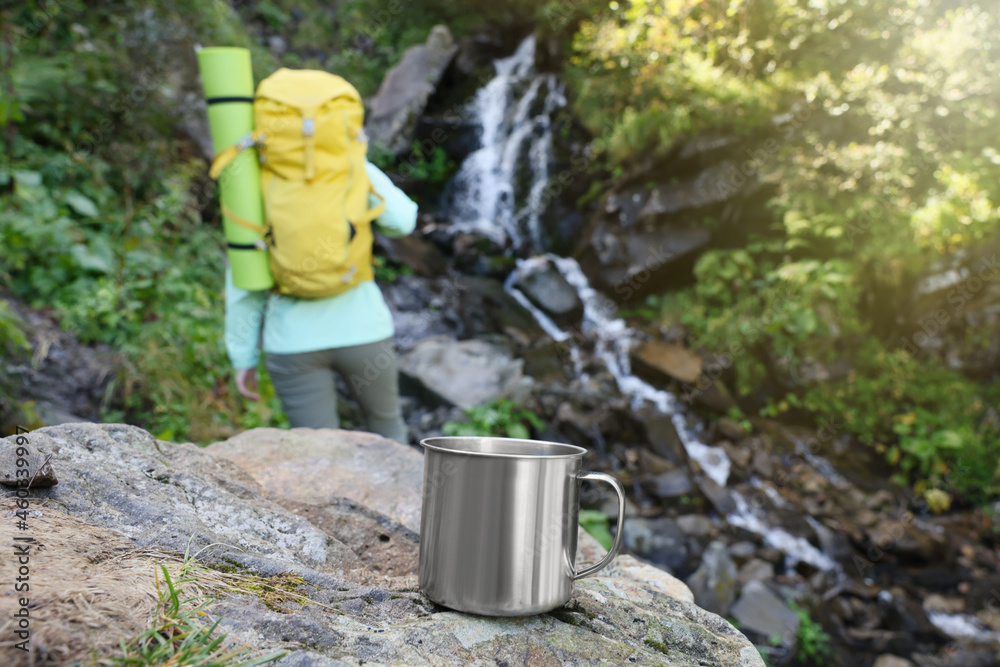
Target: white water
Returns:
[[482, 195], [963, 626]]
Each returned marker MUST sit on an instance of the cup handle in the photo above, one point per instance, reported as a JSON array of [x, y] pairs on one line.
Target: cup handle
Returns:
[[616, 545]]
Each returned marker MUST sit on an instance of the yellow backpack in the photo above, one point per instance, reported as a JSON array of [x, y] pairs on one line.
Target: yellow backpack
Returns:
[[310, 139]]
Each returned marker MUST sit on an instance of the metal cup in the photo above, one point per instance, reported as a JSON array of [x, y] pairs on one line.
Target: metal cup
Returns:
[[499, 524]]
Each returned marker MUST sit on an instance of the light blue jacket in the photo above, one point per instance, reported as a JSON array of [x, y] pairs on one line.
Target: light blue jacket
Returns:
[[292, 325]]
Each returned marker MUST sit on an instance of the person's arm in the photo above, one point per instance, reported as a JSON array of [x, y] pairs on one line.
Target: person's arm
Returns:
[[244, 313], [400, 215]]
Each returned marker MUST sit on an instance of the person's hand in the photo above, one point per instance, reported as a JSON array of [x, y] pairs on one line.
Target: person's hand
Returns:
[[246, 383]]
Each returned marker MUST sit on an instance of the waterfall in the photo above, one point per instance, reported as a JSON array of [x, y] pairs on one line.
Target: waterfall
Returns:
[[514, 111], [498, 193]]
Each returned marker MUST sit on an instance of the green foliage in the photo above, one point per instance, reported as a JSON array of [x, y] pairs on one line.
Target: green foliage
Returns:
[[596, 524], [813, 643], [433, 167], [935, 424], [501, 417], [387, 271], [12, 335], [748, 298], [179, 635]]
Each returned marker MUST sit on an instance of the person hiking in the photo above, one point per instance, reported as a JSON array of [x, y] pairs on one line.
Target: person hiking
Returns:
[[325, 315], [306, 340]]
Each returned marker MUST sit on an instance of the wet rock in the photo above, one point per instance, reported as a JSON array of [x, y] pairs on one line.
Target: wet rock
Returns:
[[906, 615], [419, 255], [659, 362], [887, 660], [713, 394], [714, 582], [660, 541], [762, 464], [908, 542], [755, 570], [704, 190], [463, 373], [546, 288], [30, 450], [657, 430], [422, 308], [738, 454], [320, 467], [696, 525], [672, 484], [718, 496], [405, 90], [546, 361], [833, 543], [485, 308], [629, 265], [760, 610], [652, 463], [730, 429]]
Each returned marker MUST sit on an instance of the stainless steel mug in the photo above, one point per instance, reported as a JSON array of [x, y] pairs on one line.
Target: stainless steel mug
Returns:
[[499, 524]]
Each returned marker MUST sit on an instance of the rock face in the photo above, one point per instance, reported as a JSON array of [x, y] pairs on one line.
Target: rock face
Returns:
[[628, 264], [406, 88], [126, 500], [463, 373], [319, 466]]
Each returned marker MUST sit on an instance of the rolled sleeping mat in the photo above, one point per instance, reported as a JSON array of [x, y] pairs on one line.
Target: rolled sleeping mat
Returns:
[[227, 77]]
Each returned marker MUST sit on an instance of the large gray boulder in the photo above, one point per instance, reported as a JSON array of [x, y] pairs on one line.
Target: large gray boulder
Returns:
[[463, 373], [405, 90], [318, 466], [126, 501]]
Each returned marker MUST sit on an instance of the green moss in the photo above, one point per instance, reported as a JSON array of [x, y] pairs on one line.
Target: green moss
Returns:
[[658, 645]]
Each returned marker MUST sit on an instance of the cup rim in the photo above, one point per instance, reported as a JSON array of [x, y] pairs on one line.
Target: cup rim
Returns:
[[437, 444]]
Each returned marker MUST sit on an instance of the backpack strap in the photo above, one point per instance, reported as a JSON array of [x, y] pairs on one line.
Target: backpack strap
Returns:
[[223, 159], [372, 213], [244, 223]]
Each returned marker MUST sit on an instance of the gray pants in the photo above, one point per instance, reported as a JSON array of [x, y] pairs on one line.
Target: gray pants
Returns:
[[306, 385]]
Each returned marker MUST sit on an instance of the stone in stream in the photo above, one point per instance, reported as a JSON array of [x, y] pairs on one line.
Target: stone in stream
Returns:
[[405, 90], [546, 288], [718, 496], [888, 660], [658, 362], [714, 582], [127, 501], [657, 430], [463, 373], [760, 610]]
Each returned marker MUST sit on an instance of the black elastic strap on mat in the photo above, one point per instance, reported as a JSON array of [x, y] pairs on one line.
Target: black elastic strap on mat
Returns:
[[220, 100], [242, 246]]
